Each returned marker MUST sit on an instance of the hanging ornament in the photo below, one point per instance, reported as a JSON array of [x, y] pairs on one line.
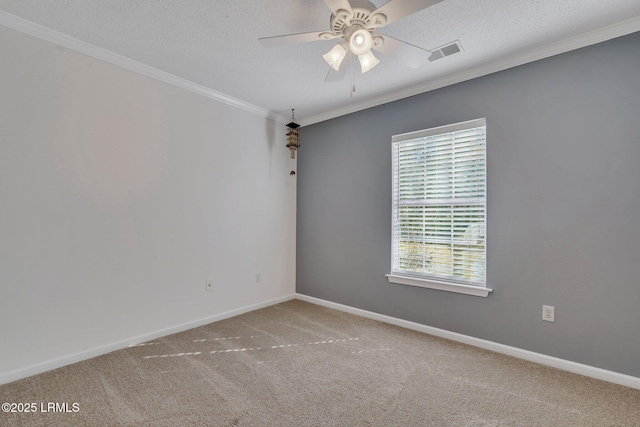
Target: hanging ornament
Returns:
[[293, 138]]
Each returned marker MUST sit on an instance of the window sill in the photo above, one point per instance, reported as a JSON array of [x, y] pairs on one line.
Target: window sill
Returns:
[[478, 291]]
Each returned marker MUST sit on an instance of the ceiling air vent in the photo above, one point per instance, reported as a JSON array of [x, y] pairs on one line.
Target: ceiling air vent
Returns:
[[446, 50]]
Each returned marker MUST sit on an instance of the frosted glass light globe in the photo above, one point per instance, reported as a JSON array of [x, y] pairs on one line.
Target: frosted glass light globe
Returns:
[[360, 41], [335, 56]]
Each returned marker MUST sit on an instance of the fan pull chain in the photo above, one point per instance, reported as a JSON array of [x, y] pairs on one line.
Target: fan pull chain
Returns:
[[353, 77]]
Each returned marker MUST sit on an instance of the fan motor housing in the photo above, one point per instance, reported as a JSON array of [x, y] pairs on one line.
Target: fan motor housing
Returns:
[[362, 17]]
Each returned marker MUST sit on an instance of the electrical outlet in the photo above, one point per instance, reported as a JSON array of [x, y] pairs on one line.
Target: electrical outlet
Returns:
[[208, 286], [548, 313]]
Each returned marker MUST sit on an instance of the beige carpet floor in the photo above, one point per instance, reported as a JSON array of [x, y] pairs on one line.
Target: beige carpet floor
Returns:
[[298, 364]]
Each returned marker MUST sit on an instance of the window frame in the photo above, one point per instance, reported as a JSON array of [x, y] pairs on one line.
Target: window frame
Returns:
[[434, 281]]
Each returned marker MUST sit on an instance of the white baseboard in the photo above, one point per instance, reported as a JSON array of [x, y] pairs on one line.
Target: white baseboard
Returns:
[[543, 359], [59, 362]]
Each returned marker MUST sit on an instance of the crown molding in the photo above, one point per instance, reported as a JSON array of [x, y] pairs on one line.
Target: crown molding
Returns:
[[587, 39], [619, 29], [58, 38]]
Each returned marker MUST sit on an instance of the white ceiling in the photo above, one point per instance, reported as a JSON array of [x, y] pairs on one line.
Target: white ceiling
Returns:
[[214, 43]]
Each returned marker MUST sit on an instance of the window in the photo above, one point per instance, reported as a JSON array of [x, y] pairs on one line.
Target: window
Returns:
[[439, 208]]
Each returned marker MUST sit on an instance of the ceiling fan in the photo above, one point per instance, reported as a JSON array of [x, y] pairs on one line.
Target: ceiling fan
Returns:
[[353, 23]]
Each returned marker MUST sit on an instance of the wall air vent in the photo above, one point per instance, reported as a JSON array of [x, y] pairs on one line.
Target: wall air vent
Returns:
[[446, 50]]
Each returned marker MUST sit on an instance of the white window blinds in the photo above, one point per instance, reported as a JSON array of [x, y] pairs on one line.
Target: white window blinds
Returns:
[[439, 203]]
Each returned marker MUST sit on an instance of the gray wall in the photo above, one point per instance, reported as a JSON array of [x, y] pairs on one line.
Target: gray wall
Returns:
[[563, 144]]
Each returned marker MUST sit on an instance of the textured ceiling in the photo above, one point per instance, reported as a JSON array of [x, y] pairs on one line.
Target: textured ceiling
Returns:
[[214, 43]]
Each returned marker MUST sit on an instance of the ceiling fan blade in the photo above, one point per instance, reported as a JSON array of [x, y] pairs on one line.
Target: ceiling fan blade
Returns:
[[337, 76], [411, 55], [290, 39], [337, 5], [398, 9]]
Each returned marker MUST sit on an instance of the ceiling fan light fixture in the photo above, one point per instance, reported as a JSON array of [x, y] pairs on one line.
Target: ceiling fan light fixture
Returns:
[[367, 61], [354, 23], [335, 56], [360, 42]]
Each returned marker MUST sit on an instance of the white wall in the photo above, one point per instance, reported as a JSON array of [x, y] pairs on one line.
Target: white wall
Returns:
[[119, 197]]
